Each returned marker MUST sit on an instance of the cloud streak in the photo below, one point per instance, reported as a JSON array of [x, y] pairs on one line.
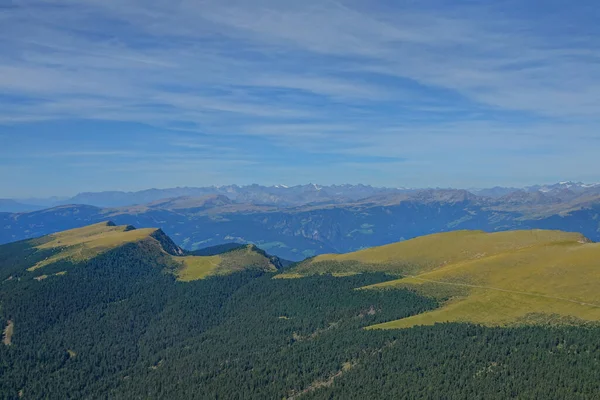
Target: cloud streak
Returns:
[[407, 80]]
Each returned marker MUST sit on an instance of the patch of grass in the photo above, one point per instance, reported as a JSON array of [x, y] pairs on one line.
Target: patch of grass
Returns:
[[85, 243], [556, 282], [200, 267], [296, 275], [288, 276], [343, 274], [431, 252], [339, 267], [248, 257], [494, 279], [45, 276], [196, 267], [494, 308], [441, 293], [7, 335]]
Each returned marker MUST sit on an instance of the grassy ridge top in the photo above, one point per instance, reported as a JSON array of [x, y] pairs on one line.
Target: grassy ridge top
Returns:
[[246, 257], [505, 278], [84, 243], [431, 252], [555, 282]]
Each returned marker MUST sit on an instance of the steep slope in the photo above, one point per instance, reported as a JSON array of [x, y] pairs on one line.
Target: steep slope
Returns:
[[80, 245], [116, 315], [214, 250], [119, 318], [502, 278], [60, 253], [241, 258]]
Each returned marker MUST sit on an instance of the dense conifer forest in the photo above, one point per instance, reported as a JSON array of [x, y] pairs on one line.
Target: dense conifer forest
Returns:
[[119, 326]]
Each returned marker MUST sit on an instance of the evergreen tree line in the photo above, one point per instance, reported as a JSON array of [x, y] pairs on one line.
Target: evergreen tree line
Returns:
[[119, 326]]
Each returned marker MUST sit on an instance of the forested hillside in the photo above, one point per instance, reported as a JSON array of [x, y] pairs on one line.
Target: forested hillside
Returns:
[[497, 279], [121, 325]]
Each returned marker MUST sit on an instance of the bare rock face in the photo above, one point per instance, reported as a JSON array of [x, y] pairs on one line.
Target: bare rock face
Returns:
[[167, 244]]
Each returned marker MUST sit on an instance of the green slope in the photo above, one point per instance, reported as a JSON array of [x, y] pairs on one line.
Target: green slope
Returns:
[[430, 252], [244, 257], [122, 318], [88, 242], [507, 278], [83, 244]]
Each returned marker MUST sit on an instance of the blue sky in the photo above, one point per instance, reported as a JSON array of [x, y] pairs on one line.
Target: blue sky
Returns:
[[131, 94]]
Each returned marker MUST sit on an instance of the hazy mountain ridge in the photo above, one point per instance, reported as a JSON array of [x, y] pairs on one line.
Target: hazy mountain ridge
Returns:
[[281, 195], [297, 232], [339, 218], [277, 195], [9, 205], [254, 194]]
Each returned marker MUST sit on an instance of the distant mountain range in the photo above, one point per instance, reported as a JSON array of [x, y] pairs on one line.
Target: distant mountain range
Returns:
[[9, 205], [253, 194], [303, 221], [278, 195]]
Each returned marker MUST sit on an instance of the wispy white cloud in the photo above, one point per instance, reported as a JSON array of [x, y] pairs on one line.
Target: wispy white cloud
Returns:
[[228, 45], [356, 78]]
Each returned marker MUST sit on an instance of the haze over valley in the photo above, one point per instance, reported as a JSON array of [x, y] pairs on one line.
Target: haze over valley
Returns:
[[303, 221]]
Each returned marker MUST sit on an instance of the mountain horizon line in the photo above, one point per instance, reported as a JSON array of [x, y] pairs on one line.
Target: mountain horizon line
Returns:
[[566, 184]]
